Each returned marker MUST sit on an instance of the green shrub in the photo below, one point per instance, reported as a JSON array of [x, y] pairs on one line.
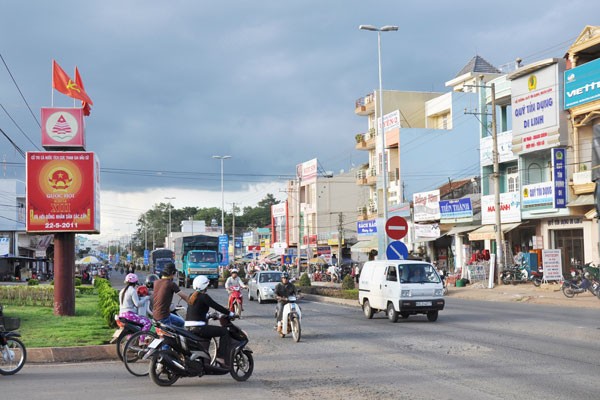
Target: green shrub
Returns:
[[77, 281], [33, 282], [108, 300], [85, 289], [304, 280], [348, 282], [39, 295]]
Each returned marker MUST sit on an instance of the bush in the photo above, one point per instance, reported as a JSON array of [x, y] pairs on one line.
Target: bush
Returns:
[[77, 281], [85, 289], [108, 301], [33, 282], [27, 295], [226, 274], [348, 282], [304, 280]]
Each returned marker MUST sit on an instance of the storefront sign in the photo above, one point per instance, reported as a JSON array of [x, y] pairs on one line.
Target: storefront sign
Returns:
[[552, 262], [456, 210], [538, 195], [366, 227], [279, 210], [505, 153], [559, 159], [535, 108], [63, 193], [564, 221], [510, 208], [4, 246], [582, 84], [426, 206], [391, 127], [427, 230], [307, 171]]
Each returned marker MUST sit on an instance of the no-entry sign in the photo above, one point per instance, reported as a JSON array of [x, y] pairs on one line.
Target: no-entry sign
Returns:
[[396, 228]]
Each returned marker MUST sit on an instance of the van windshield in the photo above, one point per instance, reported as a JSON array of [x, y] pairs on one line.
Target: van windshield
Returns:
[[418, 273]]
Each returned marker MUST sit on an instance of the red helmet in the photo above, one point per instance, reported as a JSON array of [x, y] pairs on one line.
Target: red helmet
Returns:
[[142, 291]]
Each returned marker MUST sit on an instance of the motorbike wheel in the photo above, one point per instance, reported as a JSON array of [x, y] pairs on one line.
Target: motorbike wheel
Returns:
[[568, 292], [367, 310], [134, 352], [242, 365], [296, 329], [537, 282], [159, 373], [12, 356], [506, 279], [120, 343], [237, 309]]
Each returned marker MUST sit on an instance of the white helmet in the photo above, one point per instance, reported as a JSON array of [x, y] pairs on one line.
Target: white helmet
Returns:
[[200, 282]]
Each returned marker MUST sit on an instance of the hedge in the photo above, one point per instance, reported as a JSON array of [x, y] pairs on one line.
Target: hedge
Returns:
[[27, 295], [108, 301]]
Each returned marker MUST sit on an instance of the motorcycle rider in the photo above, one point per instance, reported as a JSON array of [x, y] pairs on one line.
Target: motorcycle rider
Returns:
[[234, 280], [164, 288], [283, 290], [195, 321], [130, 303]]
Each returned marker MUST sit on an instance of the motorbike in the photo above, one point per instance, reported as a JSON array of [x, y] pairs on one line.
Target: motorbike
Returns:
[[235, 300], [291, 316], [514, 275], [178, 353], [13, 353], [570, 288], [537, 277], [125, 328]]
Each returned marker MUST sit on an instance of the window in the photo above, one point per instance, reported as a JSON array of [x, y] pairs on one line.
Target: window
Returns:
[[391, 274], [512, 179]]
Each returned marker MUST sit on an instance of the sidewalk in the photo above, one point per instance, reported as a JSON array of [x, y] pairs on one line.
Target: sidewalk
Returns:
[[548, 294]]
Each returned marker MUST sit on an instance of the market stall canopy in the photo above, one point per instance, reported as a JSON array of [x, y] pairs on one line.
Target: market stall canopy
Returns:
[[365, 246], [487, 232], [317, 260], [461, 229], [88, 260], [582, 200]]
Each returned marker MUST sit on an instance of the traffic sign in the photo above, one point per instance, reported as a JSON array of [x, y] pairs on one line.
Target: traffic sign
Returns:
[[396, 251], [396, 228]]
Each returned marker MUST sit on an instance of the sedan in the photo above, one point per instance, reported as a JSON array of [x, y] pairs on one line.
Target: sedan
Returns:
[[261, 285]]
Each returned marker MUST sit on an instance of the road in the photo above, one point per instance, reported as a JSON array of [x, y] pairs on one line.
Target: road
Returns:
[[476, 350]]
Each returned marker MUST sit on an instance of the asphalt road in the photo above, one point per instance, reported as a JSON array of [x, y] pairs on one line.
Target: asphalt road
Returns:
[[476, 350]]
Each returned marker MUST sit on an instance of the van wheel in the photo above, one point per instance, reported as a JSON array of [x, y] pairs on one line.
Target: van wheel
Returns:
[[432, 315], [367, 309], [392, 314]]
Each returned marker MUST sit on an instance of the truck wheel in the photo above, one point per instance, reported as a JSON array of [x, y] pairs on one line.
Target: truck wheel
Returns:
[[215, 283], [432, 315], [392, 314], [187, 281], [367, 309]]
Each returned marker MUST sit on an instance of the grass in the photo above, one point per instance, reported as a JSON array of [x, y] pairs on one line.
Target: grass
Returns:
[[41, 328]]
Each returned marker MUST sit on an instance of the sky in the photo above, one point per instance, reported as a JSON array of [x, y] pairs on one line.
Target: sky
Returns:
[[270, 83]]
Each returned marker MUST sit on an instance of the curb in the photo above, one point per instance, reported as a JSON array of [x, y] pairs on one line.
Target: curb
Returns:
[[44, 355]]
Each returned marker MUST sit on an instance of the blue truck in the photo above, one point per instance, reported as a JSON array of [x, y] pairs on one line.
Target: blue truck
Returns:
[[197, 255], [159, 258]]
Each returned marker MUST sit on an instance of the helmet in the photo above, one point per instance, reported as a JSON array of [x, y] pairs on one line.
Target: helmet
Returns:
[[150, 281], [233, 271], [285, 275], [169, 269], [131, 278], [587, 275], [200, 282], [142, 291]]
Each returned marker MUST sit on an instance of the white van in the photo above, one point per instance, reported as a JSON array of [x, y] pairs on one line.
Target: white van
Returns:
[[400, 288]]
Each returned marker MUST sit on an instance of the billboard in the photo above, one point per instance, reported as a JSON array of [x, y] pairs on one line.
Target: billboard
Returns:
[[510, 208], [63, 192], [307, 171], [582, 84], [456, 211], [536, 110], [63, 128], [426, 206]]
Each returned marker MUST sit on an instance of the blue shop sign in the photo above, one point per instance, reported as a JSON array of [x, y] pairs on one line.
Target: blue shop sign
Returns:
[[582, 84], [559, 159], [456, 209], [366, 227]]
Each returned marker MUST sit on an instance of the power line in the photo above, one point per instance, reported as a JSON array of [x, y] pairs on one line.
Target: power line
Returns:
[[18, 127], [21, 93]]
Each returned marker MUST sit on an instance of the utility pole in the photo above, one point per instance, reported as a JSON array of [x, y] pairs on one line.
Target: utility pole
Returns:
[[496, 157], [233, 226], [299, 222], [340, 237]]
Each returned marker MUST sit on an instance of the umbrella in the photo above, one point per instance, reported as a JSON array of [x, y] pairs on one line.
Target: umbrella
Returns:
[[88, 260], [317, 260]]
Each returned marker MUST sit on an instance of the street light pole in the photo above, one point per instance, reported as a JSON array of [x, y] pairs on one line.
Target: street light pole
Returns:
[[169, 230], [222, 158], [384, 166]]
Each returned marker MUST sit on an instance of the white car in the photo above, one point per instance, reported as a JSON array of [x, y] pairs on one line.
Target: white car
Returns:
[[261, 285]]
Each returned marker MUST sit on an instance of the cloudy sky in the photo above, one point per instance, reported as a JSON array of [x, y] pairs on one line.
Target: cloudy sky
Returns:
[[271, 83]]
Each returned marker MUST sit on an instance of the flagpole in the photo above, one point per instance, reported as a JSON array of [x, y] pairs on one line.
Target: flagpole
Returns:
[[51, 86]]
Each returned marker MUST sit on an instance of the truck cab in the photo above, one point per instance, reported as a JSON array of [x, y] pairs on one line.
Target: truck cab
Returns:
[[200, 262]]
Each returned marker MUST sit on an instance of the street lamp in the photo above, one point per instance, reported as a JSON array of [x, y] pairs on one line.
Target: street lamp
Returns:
[[386, 28], [169, 230], [222, 158]]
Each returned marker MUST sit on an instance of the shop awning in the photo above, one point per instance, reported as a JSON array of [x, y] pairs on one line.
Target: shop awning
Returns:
[[425, 239], [365, 246], [461, 229], [582, 200], [487, 232]]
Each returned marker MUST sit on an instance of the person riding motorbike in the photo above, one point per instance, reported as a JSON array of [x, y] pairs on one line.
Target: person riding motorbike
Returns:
[[234, 280], [196, 318], [164, 288], [130, 303], [283, 290]]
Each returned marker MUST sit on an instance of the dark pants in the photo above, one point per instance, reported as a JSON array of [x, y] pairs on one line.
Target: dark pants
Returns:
[[211, 331], [280, 305]]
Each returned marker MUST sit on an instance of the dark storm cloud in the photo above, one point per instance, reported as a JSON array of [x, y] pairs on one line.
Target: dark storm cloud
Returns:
[[271, 83]]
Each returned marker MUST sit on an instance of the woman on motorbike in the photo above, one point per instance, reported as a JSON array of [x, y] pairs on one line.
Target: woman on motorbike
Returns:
[[130, 303], [232, 281], [195, 321]]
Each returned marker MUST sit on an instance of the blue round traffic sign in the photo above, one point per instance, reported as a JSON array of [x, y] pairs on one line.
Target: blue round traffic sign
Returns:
[[396, 250]]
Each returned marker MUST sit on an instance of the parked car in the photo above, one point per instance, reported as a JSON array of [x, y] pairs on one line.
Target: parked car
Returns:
[[261, 285]]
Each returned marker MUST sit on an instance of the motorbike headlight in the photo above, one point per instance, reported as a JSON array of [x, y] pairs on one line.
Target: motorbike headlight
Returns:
[[405, 293], [438, 292]]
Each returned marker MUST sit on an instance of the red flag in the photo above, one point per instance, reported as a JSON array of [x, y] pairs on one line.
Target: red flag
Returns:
[[84, 104], [64, 84]]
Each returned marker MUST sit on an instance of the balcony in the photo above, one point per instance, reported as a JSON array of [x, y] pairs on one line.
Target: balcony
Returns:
[[365, 105], [362, 213], [582, 183], [361, 177], [371, 176]]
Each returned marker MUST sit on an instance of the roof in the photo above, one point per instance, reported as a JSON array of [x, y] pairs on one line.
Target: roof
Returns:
[[454, 185], [478, 65]]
